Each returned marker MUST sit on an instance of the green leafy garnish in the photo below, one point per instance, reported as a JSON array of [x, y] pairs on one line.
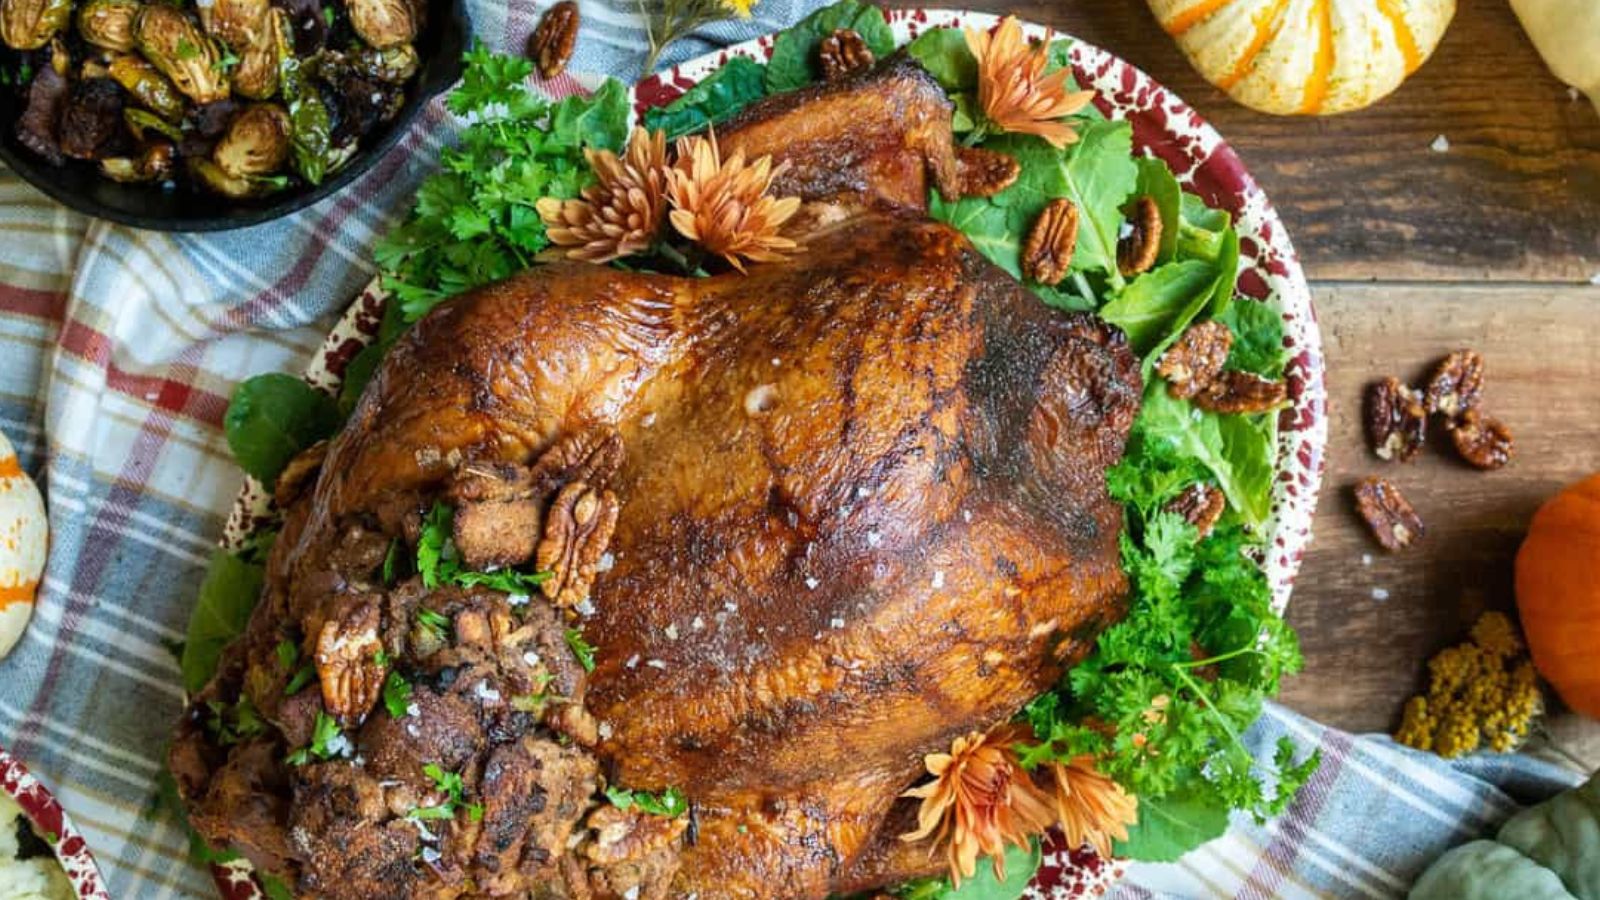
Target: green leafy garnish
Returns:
[[581, 648], [794, 50], [438, 563], [232, 724], [450, 784], [327, 742], [396, 695], [272, 418], [737, 84], [289, 659], [1022, 863], [670, 802], [435, 623], [228, 595]]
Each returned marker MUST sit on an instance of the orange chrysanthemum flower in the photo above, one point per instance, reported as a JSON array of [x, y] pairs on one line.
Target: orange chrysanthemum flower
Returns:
[[980, 800], [1015, 92], [621, 214], [723, 206], [1090, 807]]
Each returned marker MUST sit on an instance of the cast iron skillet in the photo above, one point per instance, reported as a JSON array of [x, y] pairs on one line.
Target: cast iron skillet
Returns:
[[79, 184]]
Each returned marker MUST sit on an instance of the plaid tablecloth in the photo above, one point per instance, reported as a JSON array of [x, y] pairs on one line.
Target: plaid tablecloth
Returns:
[[118, 350]]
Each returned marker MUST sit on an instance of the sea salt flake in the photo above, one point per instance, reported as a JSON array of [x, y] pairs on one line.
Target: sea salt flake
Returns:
[[671, 631], [874, 539], [1573, 94], [585, 608], [1366, 559], [655, 663], [966, 516], [606, 563], [531, 658], [863, 492], [811, 583], [485, 693], [517, 599], [647, 420], [1595, 279], [730, 606], [633, 662], [1380, 594], [836, 623], [605, 731], [938, 579], [698, 623], [1441, 144], [413, 710]]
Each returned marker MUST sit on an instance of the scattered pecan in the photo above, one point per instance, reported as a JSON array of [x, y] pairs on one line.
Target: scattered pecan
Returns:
[[1482, 441], [1195, 362], [1242, 392], [577, 528], [984, 173], [1392, 520], [552, 42], [299, 474], [1397, 420], [1201, 505], [1048, 251], [1457, 384], [843, 52], [627, 834], [347, 660], [592, 456], [1137, 251]]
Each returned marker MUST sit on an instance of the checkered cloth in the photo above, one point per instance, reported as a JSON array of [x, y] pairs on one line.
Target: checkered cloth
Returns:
[[118, 351]]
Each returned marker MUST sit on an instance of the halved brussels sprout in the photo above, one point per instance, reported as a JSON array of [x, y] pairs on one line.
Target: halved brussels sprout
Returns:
[[109, 23], [395, 65], [257, 142], [256, 76], [386, 23], [183, 53], [211, 176], [30, 24], [154, 163], [237, 23], [142, 121], [147, 85]]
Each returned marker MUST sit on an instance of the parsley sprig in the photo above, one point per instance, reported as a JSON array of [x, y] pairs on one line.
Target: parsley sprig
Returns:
[[439, 564], [327, 742], [451, 785], [670, 802], [581, 648]]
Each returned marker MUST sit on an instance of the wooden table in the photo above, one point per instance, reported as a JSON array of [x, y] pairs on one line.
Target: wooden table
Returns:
[[1413, 253]]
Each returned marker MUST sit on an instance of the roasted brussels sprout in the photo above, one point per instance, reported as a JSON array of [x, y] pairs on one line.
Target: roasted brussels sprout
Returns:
[[109, 23], [30, 24], [147, 85], [237, 23], [395, 65], [211, 175], [154, 163], [256, 76], [141, 122], [386, 23], [183, 53], [311, 132], [92, 118], [257, 142]]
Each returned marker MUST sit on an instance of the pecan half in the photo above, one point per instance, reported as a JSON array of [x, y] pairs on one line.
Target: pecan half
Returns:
[[577, 529], [1195, 361], [1048, 251], [552, 42], [1457, 384], [843, 52], [591, 455], [1242, 392], [621, 835], [1137, 251], [1392, 520], [1397, 420], [347, 660], [984, 173], [1482, 441], [1201, 505]]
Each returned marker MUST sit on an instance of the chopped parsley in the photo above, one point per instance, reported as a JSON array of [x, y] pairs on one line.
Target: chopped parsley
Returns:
[[289, 657], [450, 784], [439, 564], [396, 695], [327, 742], [436, 624], [327, 15], [581, 648], [234, 724], [391, 561], [669, 803], [380, 658]]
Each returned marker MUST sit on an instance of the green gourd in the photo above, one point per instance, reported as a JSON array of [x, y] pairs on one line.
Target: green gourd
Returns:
[[1546, 852]]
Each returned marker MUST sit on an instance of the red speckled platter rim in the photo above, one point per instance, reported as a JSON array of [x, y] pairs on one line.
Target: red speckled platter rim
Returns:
[[1163, 126], [48, 817]]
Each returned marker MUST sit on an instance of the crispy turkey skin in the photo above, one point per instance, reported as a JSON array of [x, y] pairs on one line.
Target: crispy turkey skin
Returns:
[[816, 521]]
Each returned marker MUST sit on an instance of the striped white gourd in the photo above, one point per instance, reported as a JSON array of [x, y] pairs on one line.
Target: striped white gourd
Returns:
[[24, 540], [1306, 57]]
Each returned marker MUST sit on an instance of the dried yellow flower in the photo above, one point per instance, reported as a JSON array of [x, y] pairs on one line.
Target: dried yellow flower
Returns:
[[1479, 693], [1016, 93], [723, 205], [622, 213]]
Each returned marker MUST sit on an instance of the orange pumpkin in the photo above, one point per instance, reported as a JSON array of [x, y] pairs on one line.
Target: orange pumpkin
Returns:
[[1558, 594]]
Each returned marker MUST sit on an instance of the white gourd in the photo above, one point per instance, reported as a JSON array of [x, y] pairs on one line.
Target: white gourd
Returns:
[[1306, 57], [24, 541], [1567, 33]]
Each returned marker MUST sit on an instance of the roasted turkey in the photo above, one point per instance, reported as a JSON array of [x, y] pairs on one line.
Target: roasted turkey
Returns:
[[816, 521]]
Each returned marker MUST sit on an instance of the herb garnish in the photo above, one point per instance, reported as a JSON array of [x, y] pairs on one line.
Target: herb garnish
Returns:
[[669, 803], [234, 724], [327, 742], [397, 695], [438, 563], [436, 624], [451, 785], [581, 648]]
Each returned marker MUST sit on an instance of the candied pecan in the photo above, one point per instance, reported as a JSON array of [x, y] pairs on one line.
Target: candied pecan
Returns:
[[1201, 505], [1242, 392], [1482, 441], [592, 455], [984, 173], [347, 660], [299, 474], [1137, 251], [1397, 420], [1457, 384], [552, 42], [1048, 251], [843, 52], [1195, 362], [1392, 520], [577, 529], [626, 834]]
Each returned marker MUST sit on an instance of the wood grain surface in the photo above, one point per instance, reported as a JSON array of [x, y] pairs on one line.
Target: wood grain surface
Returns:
[[1413, 253]]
